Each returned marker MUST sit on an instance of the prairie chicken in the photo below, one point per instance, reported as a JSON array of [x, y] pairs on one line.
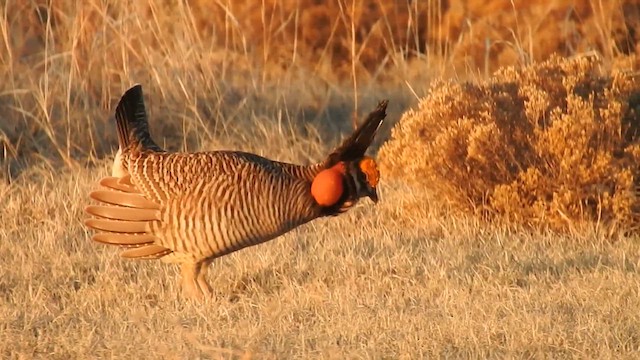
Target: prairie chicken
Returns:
[[191, 208]]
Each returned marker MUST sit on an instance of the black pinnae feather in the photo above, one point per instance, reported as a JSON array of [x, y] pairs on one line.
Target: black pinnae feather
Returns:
[[357, 144]]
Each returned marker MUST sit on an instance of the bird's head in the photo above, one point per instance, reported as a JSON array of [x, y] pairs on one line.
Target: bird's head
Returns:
[[343, 184], [365, 176]]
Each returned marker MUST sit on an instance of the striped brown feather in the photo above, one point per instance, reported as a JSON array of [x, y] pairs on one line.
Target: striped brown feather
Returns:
[[218, 202], [126, 240], [145, 252], [123, 199]]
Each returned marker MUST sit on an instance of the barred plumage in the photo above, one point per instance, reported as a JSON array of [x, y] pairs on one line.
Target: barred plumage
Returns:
[[191, 208]]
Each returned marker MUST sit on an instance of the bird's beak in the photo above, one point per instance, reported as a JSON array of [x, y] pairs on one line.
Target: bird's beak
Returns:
[[373, 195]]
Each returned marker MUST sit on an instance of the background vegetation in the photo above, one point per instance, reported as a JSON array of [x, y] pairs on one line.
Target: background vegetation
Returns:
[[543, 150], [553, 145]]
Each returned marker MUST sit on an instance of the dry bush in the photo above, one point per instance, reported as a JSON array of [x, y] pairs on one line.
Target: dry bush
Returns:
[[551, 144]]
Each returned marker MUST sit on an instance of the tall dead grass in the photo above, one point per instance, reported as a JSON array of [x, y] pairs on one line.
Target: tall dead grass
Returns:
[[66, 63], [552, 144], [209, 67], [486, 35]]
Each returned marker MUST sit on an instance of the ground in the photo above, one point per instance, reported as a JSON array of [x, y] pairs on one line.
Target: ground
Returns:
[[406, 278]]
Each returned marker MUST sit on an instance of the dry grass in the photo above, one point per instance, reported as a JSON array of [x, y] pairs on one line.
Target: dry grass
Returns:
[[401, 280], [486, 35], [404, 279]]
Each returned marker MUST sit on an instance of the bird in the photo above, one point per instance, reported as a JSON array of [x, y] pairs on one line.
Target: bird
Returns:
[[189, 208]]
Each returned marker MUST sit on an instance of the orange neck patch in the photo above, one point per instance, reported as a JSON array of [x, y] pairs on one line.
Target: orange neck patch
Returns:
[[326, 187], [369, 168]]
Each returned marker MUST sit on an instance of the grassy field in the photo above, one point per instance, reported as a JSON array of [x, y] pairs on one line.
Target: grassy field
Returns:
[[407, 278]]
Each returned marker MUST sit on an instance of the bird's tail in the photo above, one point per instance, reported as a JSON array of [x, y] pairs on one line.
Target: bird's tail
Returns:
[[132, 123], [123, 217]]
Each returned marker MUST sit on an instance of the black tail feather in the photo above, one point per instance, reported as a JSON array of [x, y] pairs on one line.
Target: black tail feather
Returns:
[[132, 123], [357, 144]]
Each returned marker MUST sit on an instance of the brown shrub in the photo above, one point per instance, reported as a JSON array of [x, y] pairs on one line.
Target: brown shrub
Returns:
[[549, 144]]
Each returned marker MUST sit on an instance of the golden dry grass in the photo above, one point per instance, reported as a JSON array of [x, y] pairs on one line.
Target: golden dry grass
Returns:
[[407, 278], [401, 280]]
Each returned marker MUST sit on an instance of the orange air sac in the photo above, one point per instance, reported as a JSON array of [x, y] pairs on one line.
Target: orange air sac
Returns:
[[327, 187]]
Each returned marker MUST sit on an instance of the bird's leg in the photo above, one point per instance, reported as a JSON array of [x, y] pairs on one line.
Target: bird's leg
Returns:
[[205, 288], [190, 286]]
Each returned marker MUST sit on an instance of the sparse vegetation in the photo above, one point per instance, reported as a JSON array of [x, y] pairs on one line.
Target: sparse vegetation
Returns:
[[407, 278]]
